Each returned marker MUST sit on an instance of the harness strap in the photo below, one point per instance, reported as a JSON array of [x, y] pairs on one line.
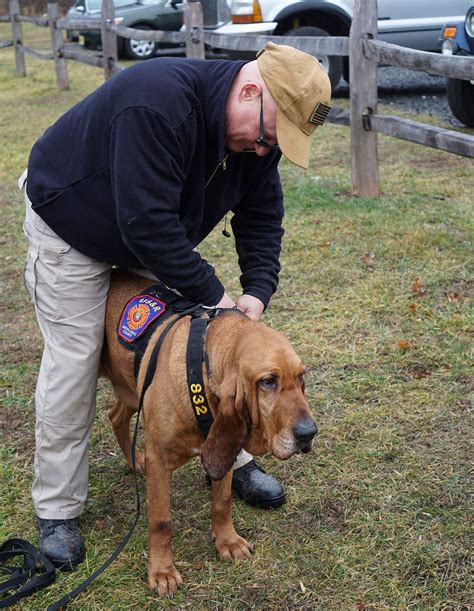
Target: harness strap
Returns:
[[194, 357], [141, 344], [175, 304], [36, 572]]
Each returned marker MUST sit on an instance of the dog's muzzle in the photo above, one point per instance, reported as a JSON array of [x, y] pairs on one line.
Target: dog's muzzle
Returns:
[[304, 431]]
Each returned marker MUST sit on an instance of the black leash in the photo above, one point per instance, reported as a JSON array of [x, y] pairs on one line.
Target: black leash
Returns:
[[35, 573]]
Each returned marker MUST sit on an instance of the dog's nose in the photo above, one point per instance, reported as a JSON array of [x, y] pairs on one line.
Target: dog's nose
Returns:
[[304, 430]]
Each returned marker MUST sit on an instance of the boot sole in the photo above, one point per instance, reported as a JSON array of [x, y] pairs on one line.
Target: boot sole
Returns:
[[273, 503], [68, 566]]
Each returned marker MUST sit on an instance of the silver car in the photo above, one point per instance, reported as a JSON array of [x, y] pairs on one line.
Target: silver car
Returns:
[[409, 23]]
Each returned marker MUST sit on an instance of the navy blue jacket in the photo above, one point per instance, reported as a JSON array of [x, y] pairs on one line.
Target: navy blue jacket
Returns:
[[122, 178]]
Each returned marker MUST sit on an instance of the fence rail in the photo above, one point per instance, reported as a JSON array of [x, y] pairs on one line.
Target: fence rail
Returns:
[[40, 21], [155, 35], [433, 63], [83, 56], [327, 45], [38, 54], [406, 129], [420, 133], [79, 24], [365, 52]]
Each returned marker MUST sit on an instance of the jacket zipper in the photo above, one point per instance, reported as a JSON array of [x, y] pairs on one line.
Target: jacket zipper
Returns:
[[223, 163]]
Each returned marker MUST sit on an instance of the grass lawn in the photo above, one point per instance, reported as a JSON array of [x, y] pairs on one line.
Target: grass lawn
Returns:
[[375, 296]]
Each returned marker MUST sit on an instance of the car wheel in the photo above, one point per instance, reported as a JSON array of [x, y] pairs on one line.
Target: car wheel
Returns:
[[331, 63], [140, 49], [460, 96]]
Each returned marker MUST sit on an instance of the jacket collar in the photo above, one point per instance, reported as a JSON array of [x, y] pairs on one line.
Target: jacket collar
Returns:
[[220, 76]]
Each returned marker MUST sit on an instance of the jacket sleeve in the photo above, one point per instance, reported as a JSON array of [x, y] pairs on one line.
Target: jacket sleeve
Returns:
[[258, 231], [148, 170]]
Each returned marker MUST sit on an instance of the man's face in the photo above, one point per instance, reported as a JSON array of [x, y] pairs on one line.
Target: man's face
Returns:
[[243, 122]]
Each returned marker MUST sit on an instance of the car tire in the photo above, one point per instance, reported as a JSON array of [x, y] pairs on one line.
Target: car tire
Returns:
[[331, 63], [460, 96], [140, 49]]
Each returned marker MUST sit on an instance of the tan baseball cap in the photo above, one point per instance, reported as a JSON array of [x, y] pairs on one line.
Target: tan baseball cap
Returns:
[[302, 91]]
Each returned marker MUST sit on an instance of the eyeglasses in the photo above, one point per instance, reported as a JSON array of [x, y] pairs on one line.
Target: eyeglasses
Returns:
[[261, 136]]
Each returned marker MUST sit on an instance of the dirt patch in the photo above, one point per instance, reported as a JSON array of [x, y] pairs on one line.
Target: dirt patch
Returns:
[[17, 425], [438, 161]]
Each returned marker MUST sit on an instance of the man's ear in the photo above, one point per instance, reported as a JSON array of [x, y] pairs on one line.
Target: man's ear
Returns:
[[250, 90], [228, 433]]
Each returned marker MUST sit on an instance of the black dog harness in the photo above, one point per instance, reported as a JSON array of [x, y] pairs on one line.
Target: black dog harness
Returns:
[[142, 315], [145, 312]]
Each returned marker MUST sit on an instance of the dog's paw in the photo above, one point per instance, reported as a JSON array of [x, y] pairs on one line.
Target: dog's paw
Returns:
[[233, 548], [165, 583]]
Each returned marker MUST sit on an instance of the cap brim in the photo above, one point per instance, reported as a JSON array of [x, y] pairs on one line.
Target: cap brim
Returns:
[[294, 143]]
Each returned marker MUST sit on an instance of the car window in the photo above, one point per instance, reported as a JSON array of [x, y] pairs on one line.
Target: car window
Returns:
[[96, 5]]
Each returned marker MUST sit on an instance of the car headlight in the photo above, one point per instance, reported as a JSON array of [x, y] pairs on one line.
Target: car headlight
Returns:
[[470, 23], [118, 20], [449, 47]]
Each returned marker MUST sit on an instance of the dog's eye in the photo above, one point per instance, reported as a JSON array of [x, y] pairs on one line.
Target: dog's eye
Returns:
[[268, 383]]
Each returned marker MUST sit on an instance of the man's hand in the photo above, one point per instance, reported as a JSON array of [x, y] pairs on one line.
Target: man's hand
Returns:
[[226, 302], [251, 306]]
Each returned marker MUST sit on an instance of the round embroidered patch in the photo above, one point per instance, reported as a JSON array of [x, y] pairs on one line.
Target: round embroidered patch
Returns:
[[137, 315]]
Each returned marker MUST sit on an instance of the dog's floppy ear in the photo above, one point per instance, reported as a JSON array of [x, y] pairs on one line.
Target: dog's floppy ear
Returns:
[[229, 431]]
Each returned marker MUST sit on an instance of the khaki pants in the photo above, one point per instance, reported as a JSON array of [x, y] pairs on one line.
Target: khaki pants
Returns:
[[69, 292]]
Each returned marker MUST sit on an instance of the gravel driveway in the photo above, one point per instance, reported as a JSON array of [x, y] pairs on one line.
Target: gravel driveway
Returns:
[[411, 90]]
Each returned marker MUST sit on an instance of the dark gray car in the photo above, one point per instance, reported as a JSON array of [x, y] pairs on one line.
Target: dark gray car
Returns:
[[140, 14]]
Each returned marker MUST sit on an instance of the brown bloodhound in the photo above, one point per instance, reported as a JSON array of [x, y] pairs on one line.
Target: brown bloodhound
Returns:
[[256, 395]]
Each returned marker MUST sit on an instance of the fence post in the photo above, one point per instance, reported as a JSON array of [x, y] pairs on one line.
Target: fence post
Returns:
[[363, 93], [17, 36], [57, 42], [193, 23], [109, 39]]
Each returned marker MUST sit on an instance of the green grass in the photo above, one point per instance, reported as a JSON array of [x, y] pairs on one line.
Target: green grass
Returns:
[[375, 295]]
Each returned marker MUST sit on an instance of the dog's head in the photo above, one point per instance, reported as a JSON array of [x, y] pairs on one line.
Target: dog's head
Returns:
[[260, 401]]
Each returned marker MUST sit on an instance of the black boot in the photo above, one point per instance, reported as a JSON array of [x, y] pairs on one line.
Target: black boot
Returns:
[[257, 488], [61, 542]]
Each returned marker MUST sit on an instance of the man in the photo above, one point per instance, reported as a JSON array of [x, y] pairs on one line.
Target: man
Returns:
[[136, 175]]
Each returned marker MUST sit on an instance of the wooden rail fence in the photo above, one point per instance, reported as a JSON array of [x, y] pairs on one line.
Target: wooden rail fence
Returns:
[[365, 52]]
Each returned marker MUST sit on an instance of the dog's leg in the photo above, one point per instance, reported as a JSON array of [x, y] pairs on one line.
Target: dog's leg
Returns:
[[120, 415], [228, 543], [163, 578]]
